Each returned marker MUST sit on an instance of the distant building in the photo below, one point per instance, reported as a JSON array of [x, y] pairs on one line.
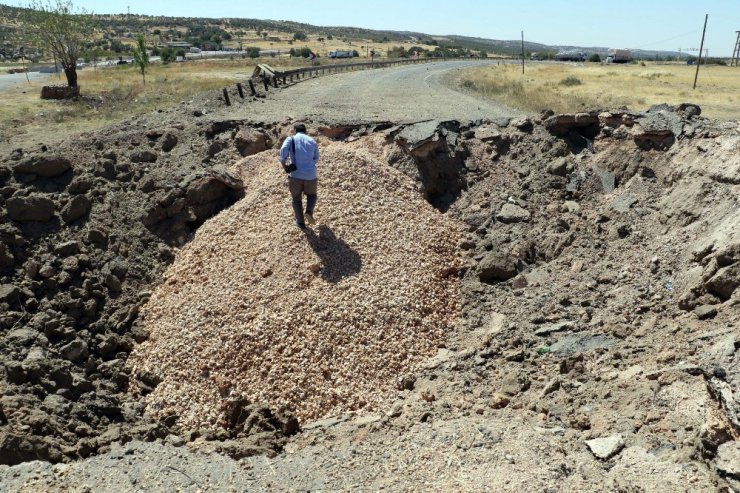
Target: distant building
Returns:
[[177, 44]]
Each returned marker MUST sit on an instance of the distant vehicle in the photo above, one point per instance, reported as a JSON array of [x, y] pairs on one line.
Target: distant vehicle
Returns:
[[341, 54], [535, 56], [619, 55], [571, 56], [193, 49]]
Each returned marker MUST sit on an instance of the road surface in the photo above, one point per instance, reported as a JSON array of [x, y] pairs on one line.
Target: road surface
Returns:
[[399, 94], [9, 81]]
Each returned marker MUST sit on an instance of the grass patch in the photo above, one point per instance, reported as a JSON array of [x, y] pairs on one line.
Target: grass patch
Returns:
[[109, 95], [571, 81], [599, 86]]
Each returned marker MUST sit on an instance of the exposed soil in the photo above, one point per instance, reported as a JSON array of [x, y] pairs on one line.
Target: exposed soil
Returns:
[[595, 347]]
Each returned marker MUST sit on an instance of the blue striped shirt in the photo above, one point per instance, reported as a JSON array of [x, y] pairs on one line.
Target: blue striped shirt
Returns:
[[307, 155]]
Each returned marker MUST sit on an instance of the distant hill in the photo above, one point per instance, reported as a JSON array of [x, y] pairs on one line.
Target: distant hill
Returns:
[[118, 30]]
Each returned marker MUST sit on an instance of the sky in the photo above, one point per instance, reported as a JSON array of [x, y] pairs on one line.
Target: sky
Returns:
[[637, 24]]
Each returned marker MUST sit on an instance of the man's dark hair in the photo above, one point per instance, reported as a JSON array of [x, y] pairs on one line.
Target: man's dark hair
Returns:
[[299, 128]]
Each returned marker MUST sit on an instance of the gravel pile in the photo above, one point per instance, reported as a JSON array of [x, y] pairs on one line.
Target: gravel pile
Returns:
[[318, 322]]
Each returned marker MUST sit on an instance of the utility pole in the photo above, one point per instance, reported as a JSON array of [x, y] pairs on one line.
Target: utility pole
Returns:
[[736, 53], [522, 52], [696, 76]]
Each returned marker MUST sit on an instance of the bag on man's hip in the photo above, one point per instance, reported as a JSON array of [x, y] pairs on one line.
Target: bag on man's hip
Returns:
[[291, 167]]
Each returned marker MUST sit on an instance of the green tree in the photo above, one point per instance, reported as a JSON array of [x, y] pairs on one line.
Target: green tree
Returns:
[[253, 52], [61, 30], [167, 55], [594, 58], [141, 56], [300, 36]]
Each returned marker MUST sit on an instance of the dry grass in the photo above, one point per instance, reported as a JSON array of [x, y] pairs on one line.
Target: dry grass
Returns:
[[109, 95], [606, 86]]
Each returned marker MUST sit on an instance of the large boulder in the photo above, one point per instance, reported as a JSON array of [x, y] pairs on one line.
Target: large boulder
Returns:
[[169, 142], [512, 213], [144, 156], [8, 292], [46, 166], [561, 125], [496, 267], [249, 141], [724, 282], [6, 256], [76, 208], [31, 208]]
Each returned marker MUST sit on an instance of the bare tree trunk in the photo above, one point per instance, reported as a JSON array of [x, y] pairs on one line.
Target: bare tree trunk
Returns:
[[71, 74], [25, 68]]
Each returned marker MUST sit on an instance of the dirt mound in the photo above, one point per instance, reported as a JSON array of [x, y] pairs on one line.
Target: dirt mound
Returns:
[[320, 322]]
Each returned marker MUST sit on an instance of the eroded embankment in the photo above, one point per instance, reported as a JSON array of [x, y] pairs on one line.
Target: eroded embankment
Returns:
[[603, 245]]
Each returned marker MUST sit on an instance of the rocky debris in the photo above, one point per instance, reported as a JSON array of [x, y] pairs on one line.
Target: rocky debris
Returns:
[[562, 125], [249, 141], [489, 134], [705, 312], [503, 392], [624, 202], [72, 288], [496, 267], [79, 206], [438, 160], [174, 215], [727, 461], [8, 292], [606, 447], [512, 213], [719, 278], [558, 167], [144, 156], [169, 141], [34, 207], [578, 343], [44, 165]]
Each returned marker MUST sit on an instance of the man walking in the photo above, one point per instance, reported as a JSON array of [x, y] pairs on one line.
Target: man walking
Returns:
[[304, 153]]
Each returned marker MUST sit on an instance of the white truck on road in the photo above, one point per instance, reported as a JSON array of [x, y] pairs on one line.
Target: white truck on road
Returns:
[[619, 55], [341, 54]]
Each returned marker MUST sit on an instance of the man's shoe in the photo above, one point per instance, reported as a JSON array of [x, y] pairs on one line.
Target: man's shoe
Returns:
[[309, 218], [300, 225]]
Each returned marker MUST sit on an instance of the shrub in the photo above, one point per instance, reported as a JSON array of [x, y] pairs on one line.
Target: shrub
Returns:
[[167, 55], [594, 58], [571, 81], [300, 36], [253, 52]]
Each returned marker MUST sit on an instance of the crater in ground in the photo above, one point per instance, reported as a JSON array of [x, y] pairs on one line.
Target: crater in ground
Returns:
[[574, 275]]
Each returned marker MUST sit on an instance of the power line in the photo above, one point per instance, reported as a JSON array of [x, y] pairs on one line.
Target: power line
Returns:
[[694, 31]]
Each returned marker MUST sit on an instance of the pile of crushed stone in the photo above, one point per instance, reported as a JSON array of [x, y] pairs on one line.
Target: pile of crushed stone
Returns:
[[319, 322]]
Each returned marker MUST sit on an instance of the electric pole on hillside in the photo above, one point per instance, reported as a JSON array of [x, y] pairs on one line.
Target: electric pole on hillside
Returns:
[[701, 48], [522, 52], [736, 53]]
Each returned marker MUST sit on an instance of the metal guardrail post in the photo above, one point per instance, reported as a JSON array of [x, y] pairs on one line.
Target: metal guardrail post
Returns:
[[226, 97], [240, 89], [251, 88]]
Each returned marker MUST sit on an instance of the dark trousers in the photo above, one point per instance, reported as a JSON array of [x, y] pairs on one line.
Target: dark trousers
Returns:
[[297, 189]]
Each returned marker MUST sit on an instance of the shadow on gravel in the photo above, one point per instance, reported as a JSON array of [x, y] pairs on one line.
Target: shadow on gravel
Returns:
[[338, 259]]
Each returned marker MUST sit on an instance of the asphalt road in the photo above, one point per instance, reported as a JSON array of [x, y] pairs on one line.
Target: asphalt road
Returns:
[[9, 81], [399, 94]]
